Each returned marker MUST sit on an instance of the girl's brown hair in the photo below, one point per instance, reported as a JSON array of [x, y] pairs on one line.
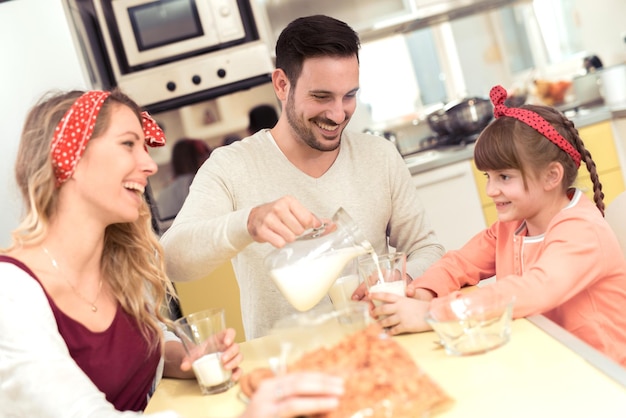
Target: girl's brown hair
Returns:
[[132, 258], [507, 143]]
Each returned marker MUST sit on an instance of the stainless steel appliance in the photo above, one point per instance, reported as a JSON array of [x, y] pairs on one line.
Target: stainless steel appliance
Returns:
[[458, 123], [469, 116], [376, 19], [613, 85], [170, 53], [586, 91], [152, 32]]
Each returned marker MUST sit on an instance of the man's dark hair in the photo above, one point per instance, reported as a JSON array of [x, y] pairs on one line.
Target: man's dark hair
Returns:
[[313, 36]]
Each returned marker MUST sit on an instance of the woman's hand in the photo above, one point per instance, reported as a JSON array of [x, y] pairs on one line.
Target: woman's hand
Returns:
[[231, 356], [400, 314], [295, 394], [175, 356]]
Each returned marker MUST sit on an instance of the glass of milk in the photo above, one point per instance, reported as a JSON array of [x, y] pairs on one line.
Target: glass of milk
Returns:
[[341, 291], [384, 274], [202, 333]]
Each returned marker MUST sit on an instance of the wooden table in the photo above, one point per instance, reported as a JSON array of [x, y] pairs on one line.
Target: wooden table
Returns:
[[542, 372]]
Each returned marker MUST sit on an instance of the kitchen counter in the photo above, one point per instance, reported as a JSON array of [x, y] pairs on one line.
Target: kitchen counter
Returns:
[[588, 116], [427, 160], [618, 113]]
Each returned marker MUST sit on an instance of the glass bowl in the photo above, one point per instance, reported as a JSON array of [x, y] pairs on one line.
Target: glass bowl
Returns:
[[472, 323]]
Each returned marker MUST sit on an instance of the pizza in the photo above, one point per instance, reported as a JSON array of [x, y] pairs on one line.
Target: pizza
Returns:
[[381, 378]]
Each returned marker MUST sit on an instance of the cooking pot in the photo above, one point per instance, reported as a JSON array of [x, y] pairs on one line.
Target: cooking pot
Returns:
[[469, 116], [440, 122]]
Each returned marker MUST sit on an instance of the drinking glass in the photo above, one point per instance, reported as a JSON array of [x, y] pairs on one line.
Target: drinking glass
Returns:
[[341, 291], [384, 273], [202, 334]]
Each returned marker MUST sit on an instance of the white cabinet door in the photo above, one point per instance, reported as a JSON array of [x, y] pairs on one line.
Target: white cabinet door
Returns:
[[452, 204]]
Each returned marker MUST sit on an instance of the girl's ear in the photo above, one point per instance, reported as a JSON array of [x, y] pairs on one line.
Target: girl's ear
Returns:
[[553, 175]]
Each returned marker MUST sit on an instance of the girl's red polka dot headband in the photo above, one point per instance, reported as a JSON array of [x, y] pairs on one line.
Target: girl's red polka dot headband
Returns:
[[532, 119], [76, 127]]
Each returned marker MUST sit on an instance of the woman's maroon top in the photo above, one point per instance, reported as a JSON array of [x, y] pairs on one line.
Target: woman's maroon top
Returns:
[[117, 360]]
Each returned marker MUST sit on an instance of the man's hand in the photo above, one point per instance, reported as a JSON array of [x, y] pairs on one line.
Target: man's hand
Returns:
[[281, 221]]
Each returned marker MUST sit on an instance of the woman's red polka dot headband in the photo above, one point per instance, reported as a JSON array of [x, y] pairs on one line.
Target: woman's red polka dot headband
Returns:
[[532, 119], [76, 127]]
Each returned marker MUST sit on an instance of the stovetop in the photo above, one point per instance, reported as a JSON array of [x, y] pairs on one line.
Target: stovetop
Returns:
[[442, 142]]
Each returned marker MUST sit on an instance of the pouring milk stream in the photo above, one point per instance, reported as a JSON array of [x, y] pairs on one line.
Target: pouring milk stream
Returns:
[[305, 269]]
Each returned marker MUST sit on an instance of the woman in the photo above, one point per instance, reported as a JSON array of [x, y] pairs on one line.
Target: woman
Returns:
[[83, 281]]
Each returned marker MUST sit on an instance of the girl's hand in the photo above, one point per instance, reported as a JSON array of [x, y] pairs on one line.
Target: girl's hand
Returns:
[[295, 394], [414, 291], [400, 314]]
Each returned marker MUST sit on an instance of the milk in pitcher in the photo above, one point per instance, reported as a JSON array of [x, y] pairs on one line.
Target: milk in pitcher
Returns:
[[306, 282]]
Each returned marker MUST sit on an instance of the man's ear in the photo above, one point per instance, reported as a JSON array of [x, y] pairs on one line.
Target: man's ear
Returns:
[[281, 84]]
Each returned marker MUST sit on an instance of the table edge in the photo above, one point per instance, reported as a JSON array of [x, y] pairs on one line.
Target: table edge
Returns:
[[594, 357]]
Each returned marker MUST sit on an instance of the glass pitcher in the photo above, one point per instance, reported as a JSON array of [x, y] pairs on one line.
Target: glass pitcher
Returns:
[[304, 270]]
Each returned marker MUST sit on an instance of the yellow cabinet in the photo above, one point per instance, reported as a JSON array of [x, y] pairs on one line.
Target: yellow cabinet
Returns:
[[217, 290], [598, 139], [489, 208]]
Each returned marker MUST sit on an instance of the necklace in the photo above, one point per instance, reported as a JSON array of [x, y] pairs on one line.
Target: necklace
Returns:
[[94, 308]]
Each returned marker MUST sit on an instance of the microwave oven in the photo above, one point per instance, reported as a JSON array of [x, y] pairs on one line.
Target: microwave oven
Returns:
[[146, 33], [171, 53]]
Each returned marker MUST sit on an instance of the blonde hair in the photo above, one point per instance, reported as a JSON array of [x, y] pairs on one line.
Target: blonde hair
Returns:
[[132, 258]]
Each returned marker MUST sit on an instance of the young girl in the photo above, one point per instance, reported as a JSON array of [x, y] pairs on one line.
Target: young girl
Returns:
[[83, 282], [550, 247]]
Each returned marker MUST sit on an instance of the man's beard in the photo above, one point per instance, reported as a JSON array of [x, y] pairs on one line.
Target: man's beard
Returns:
[[305, 133]]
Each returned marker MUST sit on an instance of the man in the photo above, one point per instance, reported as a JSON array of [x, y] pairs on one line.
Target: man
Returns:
[[264, 191]]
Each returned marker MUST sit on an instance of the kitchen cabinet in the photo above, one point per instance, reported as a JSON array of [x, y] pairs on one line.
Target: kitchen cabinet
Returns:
[[452, 205], [488, 207], [218, 289], [618, 123], [599, 140]]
